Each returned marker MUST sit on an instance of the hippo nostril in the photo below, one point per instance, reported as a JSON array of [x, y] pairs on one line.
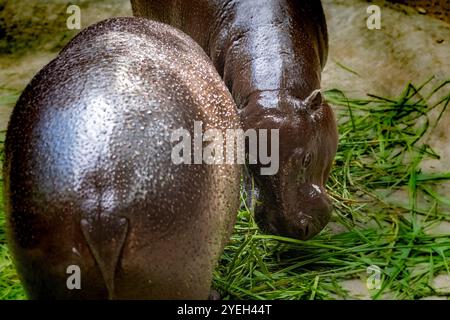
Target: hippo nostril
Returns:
[[303, 226], [304, 218], [305, 232]]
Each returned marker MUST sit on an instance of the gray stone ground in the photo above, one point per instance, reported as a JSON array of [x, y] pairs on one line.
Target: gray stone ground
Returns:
[[409, 47]]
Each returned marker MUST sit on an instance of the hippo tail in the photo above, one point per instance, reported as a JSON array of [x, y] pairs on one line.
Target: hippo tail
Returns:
[[106, 236]]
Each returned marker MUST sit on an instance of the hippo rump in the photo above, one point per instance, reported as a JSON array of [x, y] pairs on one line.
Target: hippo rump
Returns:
[[90, 182]]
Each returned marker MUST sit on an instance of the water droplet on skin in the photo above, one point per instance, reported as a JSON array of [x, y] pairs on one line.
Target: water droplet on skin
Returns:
[[317, 188], [74, 250]]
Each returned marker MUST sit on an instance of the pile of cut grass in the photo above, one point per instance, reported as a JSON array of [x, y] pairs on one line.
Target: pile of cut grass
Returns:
[[380, 153]]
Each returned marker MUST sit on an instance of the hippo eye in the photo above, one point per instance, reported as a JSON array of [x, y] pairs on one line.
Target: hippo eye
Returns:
[[307, 160]]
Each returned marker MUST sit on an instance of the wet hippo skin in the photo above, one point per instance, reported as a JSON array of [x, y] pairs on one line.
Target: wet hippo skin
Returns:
[[270, 54], [88, 174]]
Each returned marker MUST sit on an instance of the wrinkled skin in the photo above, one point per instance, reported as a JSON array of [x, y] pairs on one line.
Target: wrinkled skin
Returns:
[[88, 174], [270, 54]]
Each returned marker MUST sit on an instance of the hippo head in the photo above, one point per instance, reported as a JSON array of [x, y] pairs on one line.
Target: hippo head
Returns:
[[295, 203]]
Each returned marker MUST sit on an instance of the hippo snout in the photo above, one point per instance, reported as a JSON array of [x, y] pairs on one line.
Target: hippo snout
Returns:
[[302, 216], [308, 222], [311, 214]]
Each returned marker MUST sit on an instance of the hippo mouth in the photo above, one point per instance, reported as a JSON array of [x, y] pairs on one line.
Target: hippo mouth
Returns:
[[303, 224]]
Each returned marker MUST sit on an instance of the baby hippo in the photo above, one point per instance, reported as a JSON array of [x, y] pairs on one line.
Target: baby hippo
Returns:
[[96, 206], [270, 54]]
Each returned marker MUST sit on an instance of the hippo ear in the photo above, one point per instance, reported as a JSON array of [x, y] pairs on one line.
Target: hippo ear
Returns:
[[314, 100]]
